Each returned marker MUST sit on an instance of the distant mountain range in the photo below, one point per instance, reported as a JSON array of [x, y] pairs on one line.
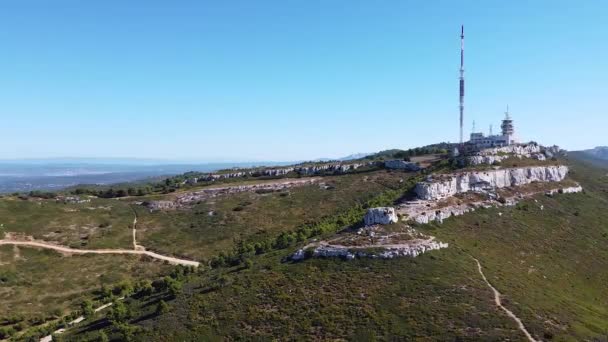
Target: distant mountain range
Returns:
[[600, 152]]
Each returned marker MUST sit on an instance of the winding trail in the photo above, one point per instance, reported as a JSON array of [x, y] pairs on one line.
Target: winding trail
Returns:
[[62, 249], [499, 304]]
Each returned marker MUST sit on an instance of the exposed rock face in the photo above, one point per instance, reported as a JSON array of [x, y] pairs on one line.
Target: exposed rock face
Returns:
[[522, 150], [380, 215], [185, 199], [275, 172], [552, 151], [449, 185], [567, 190], [485, 159], [424, 212], [411, 249], [400, 164], [441, 214], [160, 205]]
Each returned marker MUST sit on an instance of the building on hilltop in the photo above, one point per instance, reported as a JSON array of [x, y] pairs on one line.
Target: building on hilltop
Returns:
[[507, 137]]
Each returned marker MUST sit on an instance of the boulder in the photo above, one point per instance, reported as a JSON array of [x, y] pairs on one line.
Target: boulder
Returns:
[[380, 215]]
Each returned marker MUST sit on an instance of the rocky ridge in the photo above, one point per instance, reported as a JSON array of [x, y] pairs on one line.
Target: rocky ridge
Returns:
[[443, 186], [495, 155], [424, 212], [410, 249], [274, 172], [188, 198]]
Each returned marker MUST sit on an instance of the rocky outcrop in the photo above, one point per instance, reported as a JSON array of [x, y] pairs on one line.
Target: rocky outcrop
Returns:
[[494, 155], [566, 190], [188, 198], [448, 185], [380, 215], [485, 159], [399, 164], [160, 205], [410, 249], [424, 212], [525, 150], [554, 151], [308, 170], [438, 215]]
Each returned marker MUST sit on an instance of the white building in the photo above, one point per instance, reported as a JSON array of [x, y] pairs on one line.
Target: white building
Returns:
[[478, 140]]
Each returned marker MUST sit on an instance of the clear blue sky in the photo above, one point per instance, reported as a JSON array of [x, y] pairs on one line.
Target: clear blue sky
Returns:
[[290, 80]]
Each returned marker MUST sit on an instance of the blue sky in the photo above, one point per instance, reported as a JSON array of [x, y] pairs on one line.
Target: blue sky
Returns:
[[292, 80]]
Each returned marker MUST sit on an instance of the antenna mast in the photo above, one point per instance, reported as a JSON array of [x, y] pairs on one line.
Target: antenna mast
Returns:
[[461, 81]]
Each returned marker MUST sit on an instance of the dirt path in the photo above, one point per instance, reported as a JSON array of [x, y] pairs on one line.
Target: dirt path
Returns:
[[62, 249], [135, 245], [134, 233], [79, 319], [499, 304]]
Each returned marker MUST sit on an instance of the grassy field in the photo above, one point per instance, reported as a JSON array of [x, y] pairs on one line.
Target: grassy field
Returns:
[[547, 256], [215, 225], [101, 223]]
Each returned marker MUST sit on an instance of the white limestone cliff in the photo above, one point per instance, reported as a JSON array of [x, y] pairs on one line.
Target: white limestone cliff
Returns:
[[380, 215], [449, 185]]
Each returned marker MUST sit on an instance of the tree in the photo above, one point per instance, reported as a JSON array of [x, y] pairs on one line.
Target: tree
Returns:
[[6, 332], [120, 313], [124, 288], [103, 337], [162, 307], [174, 287], [86, 308], [144, 288]]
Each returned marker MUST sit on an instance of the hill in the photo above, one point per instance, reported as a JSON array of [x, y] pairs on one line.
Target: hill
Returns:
[[599, 152], [546, 257]]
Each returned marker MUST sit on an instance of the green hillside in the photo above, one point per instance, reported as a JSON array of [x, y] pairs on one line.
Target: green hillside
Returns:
[[547, 256]]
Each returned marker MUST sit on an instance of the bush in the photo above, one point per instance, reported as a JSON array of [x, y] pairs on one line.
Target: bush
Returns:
[[162, 307], [6, 332], [86, 308]]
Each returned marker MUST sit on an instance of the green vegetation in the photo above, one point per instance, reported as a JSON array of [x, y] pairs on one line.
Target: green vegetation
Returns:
[[95, 224], [547, 257], [37, 286], [548, 263], [441, 148], [106, 223], [254, 220]]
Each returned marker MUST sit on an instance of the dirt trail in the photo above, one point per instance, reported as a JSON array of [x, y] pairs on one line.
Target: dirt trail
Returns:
[[79, 319], [135, 245], [62, 249], [499, 304]]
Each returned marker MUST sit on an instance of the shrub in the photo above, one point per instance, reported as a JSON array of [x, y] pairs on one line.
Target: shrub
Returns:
[[162, 307]]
